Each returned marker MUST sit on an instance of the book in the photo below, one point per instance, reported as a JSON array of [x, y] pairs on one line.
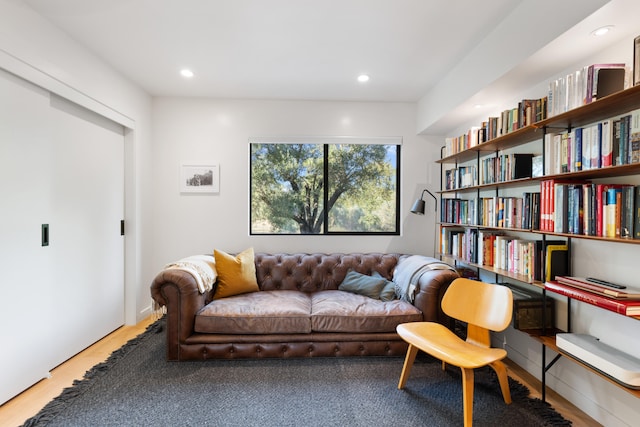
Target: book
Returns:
[[595, 76], [636, 212], [607, 144], [521, 165], [615, 141], [612, 209], [577, 143], [564, 156], [589, 209], [603, 210], [623, 143], [586, 147], [576, 209], [596, 146], [557, 261], [535, 211], [627, 308], [629, 293], [626, 222], [608, 81], [539, 254], [555, 199], [634, 137]]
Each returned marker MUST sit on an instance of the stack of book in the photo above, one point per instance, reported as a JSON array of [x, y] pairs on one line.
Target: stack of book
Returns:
[[528, 112], [610, 142], [618, 298], [590, 209], [584, 86]]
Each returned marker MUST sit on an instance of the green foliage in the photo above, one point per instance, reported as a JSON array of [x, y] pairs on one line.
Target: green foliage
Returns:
[[287, 188]]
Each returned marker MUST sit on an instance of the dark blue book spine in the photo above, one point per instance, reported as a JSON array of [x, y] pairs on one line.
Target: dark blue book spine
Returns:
[[578, 145]]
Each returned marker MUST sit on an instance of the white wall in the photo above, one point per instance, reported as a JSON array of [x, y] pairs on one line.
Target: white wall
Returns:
[[206, 130], [37, 48]]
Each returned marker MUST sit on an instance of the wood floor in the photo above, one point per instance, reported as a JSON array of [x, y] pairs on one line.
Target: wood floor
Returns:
[[16, 411]]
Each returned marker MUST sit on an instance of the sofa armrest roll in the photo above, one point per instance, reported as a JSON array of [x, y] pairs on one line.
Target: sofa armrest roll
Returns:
[[429, 292], [177, 290]]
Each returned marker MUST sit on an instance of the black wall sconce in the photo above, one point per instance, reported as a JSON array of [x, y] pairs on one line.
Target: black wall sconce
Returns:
[[419, 205], [418, 209]]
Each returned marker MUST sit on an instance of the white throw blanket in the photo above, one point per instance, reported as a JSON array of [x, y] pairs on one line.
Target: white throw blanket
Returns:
[[201, 267], [408, 273]]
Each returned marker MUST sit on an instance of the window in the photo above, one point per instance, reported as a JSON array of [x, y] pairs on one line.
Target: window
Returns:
[[328, 186]]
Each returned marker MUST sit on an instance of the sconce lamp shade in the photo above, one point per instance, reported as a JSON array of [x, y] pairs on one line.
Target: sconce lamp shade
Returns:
[[418, 207]]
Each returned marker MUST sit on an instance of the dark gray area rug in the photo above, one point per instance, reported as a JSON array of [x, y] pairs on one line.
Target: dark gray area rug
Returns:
[[137, 387]]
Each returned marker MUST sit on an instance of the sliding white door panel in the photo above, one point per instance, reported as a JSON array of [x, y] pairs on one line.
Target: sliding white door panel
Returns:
[[88, 207], [24, 206], [62, 289]]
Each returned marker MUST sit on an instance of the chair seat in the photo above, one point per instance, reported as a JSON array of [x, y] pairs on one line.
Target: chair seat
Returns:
[[438, 341]]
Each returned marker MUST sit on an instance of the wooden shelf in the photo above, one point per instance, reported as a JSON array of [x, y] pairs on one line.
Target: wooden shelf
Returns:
[[504, 273], [610, 106], [512, 139], [550, 342], [494, 185], [546, 233], [608, 172]]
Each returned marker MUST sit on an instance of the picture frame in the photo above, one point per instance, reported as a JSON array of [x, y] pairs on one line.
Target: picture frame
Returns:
[[636, 61], [200, 178]]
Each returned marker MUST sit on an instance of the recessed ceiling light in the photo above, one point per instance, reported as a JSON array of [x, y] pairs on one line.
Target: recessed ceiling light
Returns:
[[362, 78], [186, 73], [602, 30]]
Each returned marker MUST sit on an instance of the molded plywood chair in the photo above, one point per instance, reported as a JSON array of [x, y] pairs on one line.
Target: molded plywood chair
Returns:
[[484, 307]]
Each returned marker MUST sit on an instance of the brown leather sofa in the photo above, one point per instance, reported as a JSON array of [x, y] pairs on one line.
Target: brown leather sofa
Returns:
[[192, 335]]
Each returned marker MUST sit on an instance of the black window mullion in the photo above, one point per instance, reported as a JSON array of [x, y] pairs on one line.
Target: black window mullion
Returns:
[[325, 192]]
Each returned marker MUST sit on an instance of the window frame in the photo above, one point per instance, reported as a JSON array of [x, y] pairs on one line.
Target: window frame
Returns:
[[325, 142]]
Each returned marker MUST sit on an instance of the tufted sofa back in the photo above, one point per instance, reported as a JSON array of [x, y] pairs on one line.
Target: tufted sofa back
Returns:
[[316, 272]]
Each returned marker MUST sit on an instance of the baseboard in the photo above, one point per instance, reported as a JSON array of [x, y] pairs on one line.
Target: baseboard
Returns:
[[146, 312]]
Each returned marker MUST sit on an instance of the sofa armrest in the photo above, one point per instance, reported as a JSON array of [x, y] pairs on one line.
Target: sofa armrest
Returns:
[[177, 290], [429, 292]]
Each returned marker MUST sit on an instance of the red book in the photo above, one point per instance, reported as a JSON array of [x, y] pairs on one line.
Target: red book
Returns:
[[628, 308], [545, 205], [550, 205]]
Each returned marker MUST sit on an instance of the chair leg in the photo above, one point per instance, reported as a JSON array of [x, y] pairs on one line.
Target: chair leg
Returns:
[[467, 396], [501, 370], [412, 351]]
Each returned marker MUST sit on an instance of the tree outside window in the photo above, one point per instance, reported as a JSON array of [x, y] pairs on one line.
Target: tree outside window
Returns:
[[324, 188]]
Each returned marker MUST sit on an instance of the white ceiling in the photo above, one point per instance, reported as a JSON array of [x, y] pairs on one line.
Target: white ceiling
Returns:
[[286, 49]]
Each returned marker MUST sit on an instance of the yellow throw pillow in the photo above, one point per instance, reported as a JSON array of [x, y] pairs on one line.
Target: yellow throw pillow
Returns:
[[236, 275]]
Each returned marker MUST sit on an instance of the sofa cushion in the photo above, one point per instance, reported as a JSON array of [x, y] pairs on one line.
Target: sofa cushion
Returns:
[[339, 311], [361, 284], [236, 275], [264, 312]]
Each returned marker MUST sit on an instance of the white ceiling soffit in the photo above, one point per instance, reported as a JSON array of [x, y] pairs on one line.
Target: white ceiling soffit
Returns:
[[561, 40]]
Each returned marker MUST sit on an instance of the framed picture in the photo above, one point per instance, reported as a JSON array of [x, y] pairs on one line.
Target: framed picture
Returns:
[[636, 61], [199, 178]]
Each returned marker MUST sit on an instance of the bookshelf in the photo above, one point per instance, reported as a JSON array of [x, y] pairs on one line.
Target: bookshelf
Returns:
[[609, 107]]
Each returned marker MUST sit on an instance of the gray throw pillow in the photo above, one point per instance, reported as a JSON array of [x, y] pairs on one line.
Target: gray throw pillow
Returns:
[[362, 284], [388, 292]]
